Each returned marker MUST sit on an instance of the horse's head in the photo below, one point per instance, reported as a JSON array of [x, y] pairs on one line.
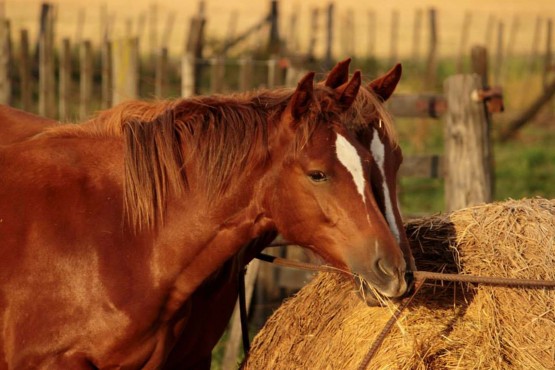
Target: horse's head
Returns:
[[320, 196], [372, 126]]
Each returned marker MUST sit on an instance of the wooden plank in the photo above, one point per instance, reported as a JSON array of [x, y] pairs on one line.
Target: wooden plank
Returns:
[[424, 166], [467, 146]]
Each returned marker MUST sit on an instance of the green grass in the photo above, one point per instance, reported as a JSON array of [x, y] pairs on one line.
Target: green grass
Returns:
[[523, 167]]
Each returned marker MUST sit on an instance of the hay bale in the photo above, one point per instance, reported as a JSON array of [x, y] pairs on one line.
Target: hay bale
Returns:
[[446, 326]]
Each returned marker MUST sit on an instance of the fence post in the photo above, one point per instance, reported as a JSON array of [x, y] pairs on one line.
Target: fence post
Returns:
[[245, 74], [5, 83], [25, 71], [86, 79], [47, 94], [217, 72], [106, 74], [272, 72], [125, 69], [161, 73], [65, 81], [467, 146], [188, 75]]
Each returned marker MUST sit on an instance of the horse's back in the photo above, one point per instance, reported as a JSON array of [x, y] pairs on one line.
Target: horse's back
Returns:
[[59, 291]]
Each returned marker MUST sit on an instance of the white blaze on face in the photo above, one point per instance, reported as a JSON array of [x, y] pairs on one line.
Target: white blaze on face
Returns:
[[377, 149], [348, 156]]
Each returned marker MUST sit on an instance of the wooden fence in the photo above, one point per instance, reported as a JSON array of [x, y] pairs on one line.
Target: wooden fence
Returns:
[[465, 165]]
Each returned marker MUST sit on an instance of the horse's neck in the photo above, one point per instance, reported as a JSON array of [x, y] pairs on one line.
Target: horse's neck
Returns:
[[202, 233]]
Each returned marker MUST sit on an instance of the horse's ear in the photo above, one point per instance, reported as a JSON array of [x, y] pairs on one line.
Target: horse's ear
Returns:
[[384, 86], [302, 97], [339, 74], [349, 91]]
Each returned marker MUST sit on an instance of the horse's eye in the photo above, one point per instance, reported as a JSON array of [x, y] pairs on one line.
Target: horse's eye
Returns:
[[317, 176]]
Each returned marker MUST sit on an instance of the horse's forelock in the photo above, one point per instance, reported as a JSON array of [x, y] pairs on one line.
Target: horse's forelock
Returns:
[[369, 109]]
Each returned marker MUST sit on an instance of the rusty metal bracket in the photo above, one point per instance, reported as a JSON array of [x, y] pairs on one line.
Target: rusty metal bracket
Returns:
[[492, 96]]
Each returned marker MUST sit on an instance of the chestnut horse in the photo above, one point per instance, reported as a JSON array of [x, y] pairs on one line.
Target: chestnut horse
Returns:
[[371, 124], [108, 227]]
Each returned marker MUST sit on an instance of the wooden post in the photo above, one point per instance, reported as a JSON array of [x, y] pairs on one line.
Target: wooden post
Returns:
[[86, 79], [106, 74], [125, 70], [161, 73], [479, 60], [217, 73], [65, 81], [229, 361], [194, 47], [273, 42], [272, 72], [245, 74], [467, 147], [431, 64], [5, 81], [25, 71], [153, 32], [47, 94], [188, 75]]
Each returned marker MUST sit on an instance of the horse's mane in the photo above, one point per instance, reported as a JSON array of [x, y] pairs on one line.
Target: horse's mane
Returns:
[[221, 133]]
